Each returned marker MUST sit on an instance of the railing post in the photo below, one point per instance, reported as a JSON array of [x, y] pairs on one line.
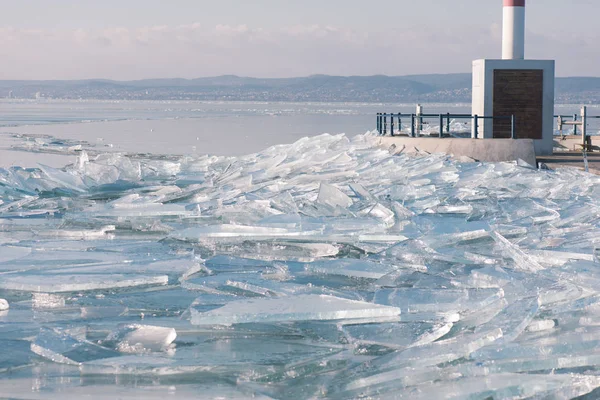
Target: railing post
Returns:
[[379, 123], [400, 123], [392, 124], [412, 125], [476, 126], [574, 126], [512, 127], [584, 126], [448, 123], [441, 126], [385, 123]]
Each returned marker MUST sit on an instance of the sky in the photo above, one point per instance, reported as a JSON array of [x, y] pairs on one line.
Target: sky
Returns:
[[139, 39]]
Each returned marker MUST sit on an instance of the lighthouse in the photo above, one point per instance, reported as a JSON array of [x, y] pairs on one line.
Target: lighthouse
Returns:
[[515, 88]]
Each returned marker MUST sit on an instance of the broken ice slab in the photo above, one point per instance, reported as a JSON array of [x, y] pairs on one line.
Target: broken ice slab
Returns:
[[47, 301], [64, 179], [243, 357], [352, 268], [10, 253], [491, 277], [453, 209], [385, 369], [573, 344], [244, 284], [500, 386], [412, 300], [380, 212], [135, 338], [522, 261], [62, 348], [453, 239], [396, 335], [3, 305], [235, 231], [558, 293], [63, 387], [292, 308], [222, 263], [558, 258], [148, 210], [333, 197], [273, 250], [53, 256], [14, 354], [77, 283], [100, 233], [176, 268], [416, 279], [513, 320]]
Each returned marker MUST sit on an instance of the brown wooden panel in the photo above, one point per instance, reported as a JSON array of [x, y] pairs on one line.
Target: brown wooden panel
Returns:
[[519, 92]]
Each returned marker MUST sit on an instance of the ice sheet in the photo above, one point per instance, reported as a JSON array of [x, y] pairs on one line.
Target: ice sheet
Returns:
[[77, 283], [326, 268], [292, 308]]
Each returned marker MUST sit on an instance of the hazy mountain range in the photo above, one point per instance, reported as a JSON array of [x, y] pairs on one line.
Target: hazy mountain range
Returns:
[[378, 88]]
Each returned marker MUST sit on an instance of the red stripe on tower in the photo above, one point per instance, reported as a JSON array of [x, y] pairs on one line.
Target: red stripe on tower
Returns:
[[514, 3]]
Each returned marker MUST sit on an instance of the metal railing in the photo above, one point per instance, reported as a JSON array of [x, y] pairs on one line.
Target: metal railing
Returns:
[[572, 120], [417, 121]]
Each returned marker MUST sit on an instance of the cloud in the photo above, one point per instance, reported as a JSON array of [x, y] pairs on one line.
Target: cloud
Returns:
[[196, 50]]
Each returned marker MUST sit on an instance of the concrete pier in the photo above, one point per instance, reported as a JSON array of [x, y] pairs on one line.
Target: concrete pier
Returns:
[[491, 150]]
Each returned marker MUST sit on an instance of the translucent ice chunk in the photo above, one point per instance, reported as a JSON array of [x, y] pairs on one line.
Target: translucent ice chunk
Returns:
[[350, 268], [500, 386], [293, 308], [522, 261], [235, 231], [9, 253], [3, 305], [62, 348], [47, 300], [223, 263], [411, 300], [332, 196], [60, 388], [77, 283], [386, 368], [397, 335], [102, 232], [542, 325], [514, 319], [16, 354], [137, 338]]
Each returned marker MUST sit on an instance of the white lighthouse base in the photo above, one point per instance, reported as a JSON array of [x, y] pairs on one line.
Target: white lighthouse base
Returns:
[[523, 88]]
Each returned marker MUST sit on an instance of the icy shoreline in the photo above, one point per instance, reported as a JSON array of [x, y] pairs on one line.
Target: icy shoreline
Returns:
[[327, 268]]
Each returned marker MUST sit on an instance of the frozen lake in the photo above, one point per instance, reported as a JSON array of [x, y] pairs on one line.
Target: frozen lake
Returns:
[[182, 127], [321, 268]]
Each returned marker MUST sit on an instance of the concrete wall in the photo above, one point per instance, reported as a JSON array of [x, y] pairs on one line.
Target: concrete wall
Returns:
[[483, 96], [492, 150]]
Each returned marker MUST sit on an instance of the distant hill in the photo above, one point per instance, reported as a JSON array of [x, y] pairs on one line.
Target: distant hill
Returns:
[[379, 88]]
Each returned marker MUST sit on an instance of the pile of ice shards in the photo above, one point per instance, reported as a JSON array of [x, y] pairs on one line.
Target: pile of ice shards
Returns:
[[327, 268]]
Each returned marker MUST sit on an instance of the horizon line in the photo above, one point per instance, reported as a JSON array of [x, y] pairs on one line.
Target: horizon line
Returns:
[[264, 78]]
